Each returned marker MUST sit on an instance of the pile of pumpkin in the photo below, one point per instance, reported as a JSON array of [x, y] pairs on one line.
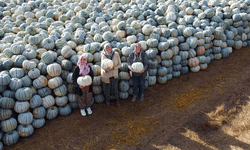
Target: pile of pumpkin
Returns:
[[42, 39]]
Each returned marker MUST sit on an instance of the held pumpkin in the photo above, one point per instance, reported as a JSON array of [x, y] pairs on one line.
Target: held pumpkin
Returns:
[[137, 67], [84, 81], [107, 63]]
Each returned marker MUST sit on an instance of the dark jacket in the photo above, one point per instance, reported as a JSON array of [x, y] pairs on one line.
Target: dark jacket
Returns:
[[78, 91], [144, 61]]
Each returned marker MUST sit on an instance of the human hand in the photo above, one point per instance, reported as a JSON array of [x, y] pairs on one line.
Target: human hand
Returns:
[[143, 70], [107, 70], [81, 87], [132, 70]]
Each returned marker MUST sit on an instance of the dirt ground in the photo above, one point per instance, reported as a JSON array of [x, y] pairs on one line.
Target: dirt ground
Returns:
[[198, 111]]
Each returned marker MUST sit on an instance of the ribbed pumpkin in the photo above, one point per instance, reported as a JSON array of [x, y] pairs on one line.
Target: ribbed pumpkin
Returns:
[[25, 118], [39, 112], [65, 110], [15, 84], [5, 114], [38, 123], [61, 101], [124, 75], [48, 101], [107, 63], [162, 71], [11, 138], [193, 62], [99, 98], [16, 73], [26, 81], [21, 107], [4, 79], [25, 130], [35, 101], [8, 125], [137, 67], [55, 82], [84, 80], [6, 102], [34, 73], [52, 112], [23, 94], [167, 54], [40, 82], [28, 64], [151, 80], [54, 70]]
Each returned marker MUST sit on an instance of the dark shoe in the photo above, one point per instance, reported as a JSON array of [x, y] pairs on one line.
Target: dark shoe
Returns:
[[133, 98], [117, 103], [108, 104], [142, 98]]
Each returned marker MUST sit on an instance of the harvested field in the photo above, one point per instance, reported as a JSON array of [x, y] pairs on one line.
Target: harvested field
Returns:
[[209, 111]]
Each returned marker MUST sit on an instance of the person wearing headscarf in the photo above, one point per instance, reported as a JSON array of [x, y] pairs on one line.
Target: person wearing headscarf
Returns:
[[138, 55], [84, 93], [109, 76]]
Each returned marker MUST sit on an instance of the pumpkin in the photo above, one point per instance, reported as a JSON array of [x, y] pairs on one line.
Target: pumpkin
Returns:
[[162, 71], [124, 75], [137, 67], [25, 130], [7, 93], [35, 101], [193, 62], [39, 112], [195, 69], [38, 123], [203, 66], [21, 107], [48, 101], [11, 138], [23, 94], [123, 85], [16, 73], [29, 54], [152, 63], [167, 63], [151, 80], [40, 82], [5, 114], [84, 80], [65, 110], [25, 118], [34, 73], [61, 101], [107, 63], [52, 112], [54, 70], [4, 79], [99, 98], [167, 54], [15, 84], [55, 82]]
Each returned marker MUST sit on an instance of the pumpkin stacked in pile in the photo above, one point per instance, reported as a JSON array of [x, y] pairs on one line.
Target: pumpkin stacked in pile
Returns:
[[42, 40]]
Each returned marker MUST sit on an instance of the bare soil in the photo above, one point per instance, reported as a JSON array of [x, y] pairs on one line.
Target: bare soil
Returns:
[[198, 111]]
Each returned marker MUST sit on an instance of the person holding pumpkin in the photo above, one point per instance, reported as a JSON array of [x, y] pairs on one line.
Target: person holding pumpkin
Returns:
[[110, 63], [138, 64], [84, 92]]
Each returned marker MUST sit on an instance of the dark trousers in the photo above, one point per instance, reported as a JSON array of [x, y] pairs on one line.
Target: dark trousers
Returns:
[[85, 100], [138, 81], [110, 88]]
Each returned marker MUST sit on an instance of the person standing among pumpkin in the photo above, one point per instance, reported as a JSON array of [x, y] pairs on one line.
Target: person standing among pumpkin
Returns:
[[84, 93], [138, 78], [109, 76]]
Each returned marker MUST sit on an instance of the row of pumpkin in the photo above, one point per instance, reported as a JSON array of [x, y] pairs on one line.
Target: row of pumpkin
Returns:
[[42, 40]]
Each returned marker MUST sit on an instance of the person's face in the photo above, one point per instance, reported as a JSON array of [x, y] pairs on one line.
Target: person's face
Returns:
[[83, 61], [137, 49], [108, 49]]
